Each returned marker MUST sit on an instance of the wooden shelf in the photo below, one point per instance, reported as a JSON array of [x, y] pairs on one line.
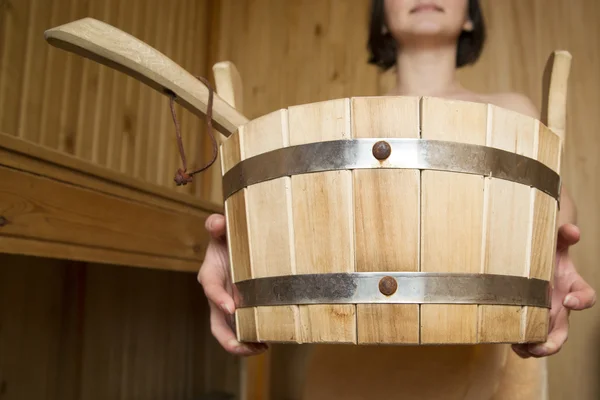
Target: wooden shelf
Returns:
[[58, 206]]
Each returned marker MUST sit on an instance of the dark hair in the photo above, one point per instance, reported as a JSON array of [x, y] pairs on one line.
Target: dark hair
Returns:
[[383, 46]]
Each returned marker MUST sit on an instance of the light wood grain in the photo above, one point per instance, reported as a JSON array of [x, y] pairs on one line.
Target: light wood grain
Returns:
[[237, 236], [12, 75], [386, 217], [543, 247], [236, 214], [328, 60], [507, 209], [33, 75], [386, 201], [500, 324], [54, 83], [39, 160], [112, 150], [555, 88], [88, 94], [323, 218], [245, 322], [271, 232], [112, 47], [451, 217], [100, 216], [228, 85], [387, 323], [231, 152], [446, 324], [326, 323], [86, 218], [279, 324], [72, 101], [537, 324], [68, 251], [79, 107], [543, 233], [548, 148], [254, 371]]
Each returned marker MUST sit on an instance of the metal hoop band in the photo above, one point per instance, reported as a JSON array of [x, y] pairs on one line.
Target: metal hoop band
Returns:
[[398, 153], [394, 287]]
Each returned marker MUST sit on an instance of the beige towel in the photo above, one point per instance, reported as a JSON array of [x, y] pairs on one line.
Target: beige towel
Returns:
[[483, 372]]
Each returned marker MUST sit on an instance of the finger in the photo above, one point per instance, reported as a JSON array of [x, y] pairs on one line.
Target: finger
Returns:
[[568, 235], [215, 225], [556, 338], [211, 277], [226, 338], [581, 295], [216, 294], [521, 350]]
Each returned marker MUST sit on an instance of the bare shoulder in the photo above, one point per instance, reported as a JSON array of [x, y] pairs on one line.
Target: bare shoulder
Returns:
[[514, 101]]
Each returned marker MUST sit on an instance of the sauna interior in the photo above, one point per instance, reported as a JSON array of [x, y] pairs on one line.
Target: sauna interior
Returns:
[[100, 250]]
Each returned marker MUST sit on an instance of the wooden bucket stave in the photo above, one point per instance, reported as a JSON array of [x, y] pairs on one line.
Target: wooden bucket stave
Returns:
[[391, 220]]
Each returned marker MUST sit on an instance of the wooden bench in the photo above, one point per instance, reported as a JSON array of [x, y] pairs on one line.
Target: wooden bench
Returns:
[[58, 206]]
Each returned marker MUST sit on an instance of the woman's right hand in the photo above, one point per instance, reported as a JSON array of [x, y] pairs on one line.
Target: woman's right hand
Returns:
[[215, 279]]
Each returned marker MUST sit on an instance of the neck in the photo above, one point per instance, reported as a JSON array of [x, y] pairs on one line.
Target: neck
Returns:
[[427, 70]]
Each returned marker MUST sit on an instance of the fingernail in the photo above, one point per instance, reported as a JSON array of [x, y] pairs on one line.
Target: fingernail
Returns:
[[236, 346], [258, 346], [571, 301], [226, 308], [539, 350]]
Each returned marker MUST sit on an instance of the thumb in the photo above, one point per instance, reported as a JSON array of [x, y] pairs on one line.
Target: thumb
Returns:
[[215, 225], [568, 235]]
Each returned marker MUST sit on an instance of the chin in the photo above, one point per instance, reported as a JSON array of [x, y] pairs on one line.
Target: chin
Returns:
[[427, 28]]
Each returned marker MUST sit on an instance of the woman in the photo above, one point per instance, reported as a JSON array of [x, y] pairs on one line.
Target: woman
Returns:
[[426, 40]]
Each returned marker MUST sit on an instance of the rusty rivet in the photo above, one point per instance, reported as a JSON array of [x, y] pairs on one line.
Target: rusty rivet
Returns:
[[3, 221], [382, 150], [388, 285]]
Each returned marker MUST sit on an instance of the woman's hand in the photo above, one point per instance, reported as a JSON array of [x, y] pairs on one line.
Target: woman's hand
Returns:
[[216, 281], [571, 292]]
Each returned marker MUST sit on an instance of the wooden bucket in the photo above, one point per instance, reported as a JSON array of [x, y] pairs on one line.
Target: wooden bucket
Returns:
[[401, 220]]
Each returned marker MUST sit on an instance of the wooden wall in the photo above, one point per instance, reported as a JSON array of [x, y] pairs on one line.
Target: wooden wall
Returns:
[[78, 331], [73, 331], [309, 50], [77, 106], [105, 345]]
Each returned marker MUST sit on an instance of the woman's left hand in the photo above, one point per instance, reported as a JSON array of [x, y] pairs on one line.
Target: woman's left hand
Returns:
[[571, 292]]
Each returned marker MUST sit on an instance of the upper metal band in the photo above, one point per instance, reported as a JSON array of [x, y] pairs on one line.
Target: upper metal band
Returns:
[[412, 287], [405, 154]]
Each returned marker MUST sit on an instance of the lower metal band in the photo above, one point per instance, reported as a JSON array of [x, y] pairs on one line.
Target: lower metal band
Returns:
[[394, 287], [392, 153]]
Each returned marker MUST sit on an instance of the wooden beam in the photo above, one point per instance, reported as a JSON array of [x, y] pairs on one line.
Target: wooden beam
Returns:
[[54, 205]]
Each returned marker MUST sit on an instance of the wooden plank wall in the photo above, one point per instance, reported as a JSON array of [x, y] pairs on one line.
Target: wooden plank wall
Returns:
[[90, 331], [76, 331], [77, 106], [288, 53], [310, 50]]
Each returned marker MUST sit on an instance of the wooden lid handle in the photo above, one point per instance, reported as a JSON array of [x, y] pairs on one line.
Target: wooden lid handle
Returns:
[[114, 48]]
